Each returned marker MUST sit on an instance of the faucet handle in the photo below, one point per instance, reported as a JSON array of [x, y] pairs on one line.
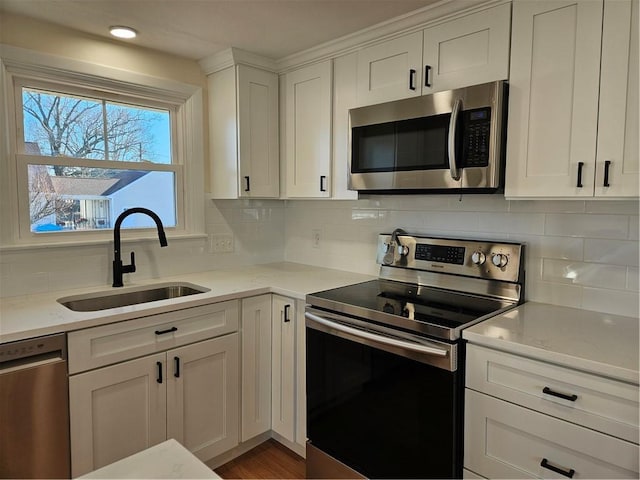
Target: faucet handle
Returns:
[[130, 268]]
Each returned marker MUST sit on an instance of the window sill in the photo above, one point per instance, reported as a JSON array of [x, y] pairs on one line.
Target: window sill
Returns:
[[98, 242]]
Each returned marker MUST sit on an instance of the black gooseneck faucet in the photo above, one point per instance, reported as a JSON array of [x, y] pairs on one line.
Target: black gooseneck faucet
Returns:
[[118, 267]]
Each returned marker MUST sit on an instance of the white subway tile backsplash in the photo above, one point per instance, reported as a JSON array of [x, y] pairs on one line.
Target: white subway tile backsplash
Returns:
[[546, 206], [633, 228], [511, 223], [587, 225], [614, 252], [586, 274], [565, 248], [554, 293], [611, 301], [579, 254], [633, 279], [616, 207]]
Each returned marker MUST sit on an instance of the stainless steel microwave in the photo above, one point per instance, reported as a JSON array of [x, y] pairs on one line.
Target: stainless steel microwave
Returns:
[[441, 143]]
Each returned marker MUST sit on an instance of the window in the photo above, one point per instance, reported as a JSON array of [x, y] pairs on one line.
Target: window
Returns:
[[90, 155]]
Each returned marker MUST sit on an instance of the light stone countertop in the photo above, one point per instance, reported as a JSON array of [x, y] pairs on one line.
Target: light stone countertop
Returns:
[[29, 316], [599, 343], [168, 459]]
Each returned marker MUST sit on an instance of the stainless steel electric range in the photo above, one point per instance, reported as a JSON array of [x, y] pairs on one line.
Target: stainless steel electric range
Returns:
[[385, 359]]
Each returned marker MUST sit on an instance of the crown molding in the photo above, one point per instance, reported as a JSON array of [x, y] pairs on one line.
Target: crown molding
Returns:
[[235, 56], [425, 17]]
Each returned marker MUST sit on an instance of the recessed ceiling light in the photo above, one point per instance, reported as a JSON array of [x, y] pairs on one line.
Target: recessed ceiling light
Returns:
[[121, 31]]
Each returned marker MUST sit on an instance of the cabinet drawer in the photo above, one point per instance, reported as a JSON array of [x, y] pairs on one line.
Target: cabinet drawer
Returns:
[[503, 440], [603, 404], [116, 342]]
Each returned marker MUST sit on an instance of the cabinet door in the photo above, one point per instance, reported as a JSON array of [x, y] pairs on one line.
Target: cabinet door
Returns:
[[390, 70], [203, 396], [223, 134], [553, 98], [504, 440], [308, 131], [618, 117], [258, 148], [256, 366], [283, 365], [117, 411], [467, 51]]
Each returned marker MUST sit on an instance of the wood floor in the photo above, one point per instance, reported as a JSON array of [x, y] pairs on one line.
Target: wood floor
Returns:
[[268, 460]]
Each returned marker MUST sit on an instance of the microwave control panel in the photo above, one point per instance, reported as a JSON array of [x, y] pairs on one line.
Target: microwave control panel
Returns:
[[476, 138]]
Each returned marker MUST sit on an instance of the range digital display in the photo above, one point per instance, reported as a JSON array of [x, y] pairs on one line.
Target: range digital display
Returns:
[[439, 253]]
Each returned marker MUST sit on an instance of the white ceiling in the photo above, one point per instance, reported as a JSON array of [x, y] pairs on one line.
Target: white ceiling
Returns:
[[199, 28]]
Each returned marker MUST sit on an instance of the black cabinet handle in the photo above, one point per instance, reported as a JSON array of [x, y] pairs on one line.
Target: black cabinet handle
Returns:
[[159, 379], [580, 166], [412, 79], [567, 473], [168, 330], [571, 398], [247, 184], [427, 70], [323, 179], [286, 313], [176, 372], [607, 164]]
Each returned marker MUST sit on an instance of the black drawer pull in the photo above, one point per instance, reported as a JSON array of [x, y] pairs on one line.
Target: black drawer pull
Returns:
[[567, 473], [176, 373], [580, 166], [247, 183], [412, 79], [286, 313], [168, 330], [323, 179], [607, 164], [571, 398], [427, 69], [159, 379]]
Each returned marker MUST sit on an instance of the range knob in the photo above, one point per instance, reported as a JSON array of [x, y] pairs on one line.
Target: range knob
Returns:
[[403, 250], [499, 260], [478, 258]]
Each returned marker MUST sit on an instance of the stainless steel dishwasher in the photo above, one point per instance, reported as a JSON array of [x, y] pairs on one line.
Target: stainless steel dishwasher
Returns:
[[34, 408]]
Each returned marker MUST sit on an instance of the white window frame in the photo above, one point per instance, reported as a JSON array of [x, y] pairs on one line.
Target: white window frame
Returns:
[[19, 67]]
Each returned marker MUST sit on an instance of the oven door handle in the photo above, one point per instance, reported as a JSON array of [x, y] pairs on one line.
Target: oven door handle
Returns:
[[453, 122], [423, 349]]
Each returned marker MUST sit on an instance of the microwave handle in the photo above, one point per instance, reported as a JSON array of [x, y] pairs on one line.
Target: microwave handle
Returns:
[[453, 121]]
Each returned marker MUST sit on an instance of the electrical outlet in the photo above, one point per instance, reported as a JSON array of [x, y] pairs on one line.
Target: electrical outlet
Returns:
[[315, 238], [222, 243]]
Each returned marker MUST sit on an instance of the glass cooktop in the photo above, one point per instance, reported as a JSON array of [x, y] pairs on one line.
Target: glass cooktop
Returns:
[[419, 309]]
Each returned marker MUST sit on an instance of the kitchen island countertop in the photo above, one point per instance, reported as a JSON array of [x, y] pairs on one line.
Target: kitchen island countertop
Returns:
[[29, 316], [599, 343]]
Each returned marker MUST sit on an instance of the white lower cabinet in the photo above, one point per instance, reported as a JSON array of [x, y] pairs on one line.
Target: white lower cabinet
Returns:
[[503, 440], [527, 418], [256, 366], [283, 396], [190, 393], [273, 364]]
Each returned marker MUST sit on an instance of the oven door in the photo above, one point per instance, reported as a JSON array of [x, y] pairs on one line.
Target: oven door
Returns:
[[382, 404]]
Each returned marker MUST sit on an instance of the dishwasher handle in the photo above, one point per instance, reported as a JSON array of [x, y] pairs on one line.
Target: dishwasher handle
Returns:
[[33, 350]]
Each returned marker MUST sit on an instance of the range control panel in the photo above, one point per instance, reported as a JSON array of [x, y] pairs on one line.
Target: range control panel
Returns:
[[480, 259]]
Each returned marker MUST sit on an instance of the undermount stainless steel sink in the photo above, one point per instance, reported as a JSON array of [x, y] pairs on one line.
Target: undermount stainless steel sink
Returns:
[[104, 300]]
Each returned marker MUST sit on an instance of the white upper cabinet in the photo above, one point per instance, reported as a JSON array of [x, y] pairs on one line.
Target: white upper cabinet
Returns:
[[308, 131], [243, 104], [617, 169], [465, 51], [554, 128], [390, 70]]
